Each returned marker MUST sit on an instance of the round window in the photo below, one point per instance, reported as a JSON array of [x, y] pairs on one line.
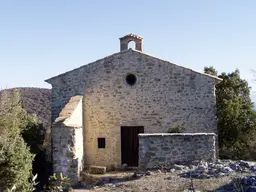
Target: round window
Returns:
[[131, 79]]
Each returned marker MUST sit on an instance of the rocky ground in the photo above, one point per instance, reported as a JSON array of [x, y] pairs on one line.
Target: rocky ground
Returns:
[[220, 176]]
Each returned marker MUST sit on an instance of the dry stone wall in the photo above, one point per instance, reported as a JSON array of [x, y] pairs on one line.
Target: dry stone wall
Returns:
[[163, 96], [166, 149]]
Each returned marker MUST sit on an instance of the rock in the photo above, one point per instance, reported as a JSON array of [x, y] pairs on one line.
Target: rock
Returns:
[[97, 170], [252, 180], [186, 167], [234, 166], [119, 185], [201, 168], [222, 174], [198, 171], [216, 174], [219, 166], [253, 168], [244, 164], [218, 161], [251, 189], [212, 172], [226, 170], [249, 180], [245, 180], [194, 173], [225, 161], [148, 173], [202, 163], [248, 183], [195, 163], [211, 165], [111, 185], [178, 167], [136, 175]]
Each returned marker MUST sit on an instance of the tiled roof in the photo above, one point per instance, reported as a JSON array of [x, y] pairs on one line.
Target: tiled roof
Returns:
[[131, 35]]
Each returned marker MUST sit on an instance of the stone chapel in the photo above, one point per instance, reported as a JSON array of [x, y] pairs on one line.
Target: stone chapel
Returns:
[[99, 109]]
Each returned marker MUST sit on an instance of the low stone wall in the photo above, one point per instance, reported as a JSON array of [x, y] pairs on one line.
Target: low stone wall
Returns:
[[67, 151], [169, 148]]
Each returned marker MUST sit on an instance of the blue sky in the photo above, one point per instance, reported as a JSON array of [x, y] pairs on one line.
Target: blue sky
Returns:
[[41, 39]]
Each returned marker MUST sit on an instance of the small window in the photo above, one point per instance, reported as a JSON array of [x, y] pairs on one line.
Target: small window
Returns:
[[101, 143], [131, 79]]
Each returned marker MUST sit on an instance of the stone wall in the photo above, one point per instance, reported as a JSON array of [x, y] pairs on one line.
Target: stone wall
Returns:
[[167, 149], [68, 152], [163, 96], [67, 140]]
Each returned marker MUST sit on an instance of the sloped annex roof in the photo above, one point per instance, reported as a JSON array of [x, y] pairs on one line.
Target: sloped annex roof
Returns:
[[142, 53], [71, 114]]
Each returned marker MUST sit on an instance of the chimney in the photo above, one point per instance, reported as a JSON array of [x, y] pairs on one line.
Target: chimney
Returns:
[[124, 41]]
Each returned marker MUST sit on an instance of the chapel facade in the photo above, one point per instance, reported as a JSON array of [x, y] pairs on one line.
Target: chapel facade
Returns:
[[99, 109]]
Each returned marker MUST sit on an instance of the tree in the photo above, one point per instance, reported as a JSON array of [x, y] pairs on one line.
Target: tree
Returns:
[[15, 156], [236, 117], [211, 71], [34, 137]]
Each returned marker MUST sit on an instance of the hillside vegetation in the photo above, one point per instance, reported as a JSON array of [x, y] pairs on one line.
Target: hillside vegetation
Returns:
[[35, 101], [33, 132]]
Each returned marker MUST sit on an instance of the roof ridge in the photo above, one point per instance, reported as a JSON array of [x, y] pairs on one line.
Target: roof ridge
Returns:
[[212, 76], [137, 51], [85, 65]]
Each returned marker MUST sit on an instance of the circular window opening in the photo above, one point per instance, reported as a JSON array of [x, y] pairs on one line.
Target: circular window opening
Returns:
[[131, 79]]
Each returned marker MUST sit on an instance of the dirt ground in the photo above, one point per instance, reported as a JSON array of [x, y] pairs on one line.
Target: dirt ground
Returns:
[[155, 181]]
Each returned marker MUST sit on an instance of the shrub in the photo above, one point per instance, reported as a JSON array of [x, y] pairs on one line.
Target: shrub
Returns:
[[176, 129], [58, 183]]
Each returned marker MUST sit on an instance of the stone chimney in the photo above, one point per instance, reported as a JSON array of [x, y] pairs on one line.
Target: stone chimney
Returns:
[[124, 41]]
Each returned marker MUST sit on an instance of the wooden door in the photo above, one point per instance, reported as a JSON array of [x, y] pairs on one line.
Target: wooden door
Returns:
[[130, 144]]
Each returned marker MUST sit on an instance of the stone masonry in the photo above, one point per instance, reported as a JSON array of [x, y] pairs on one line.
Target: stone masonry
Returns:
[[124, 41], [164, 95], [166, 149], [67, 134]]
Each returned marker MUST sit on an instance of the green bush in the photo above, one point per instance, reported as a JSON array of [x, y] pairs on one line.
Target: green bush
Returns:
[[58, 183], [176, 129]]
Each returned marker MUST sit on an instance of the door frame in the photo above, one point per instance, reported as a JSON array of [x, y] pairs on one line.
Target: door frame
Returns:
[[128, 127]]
